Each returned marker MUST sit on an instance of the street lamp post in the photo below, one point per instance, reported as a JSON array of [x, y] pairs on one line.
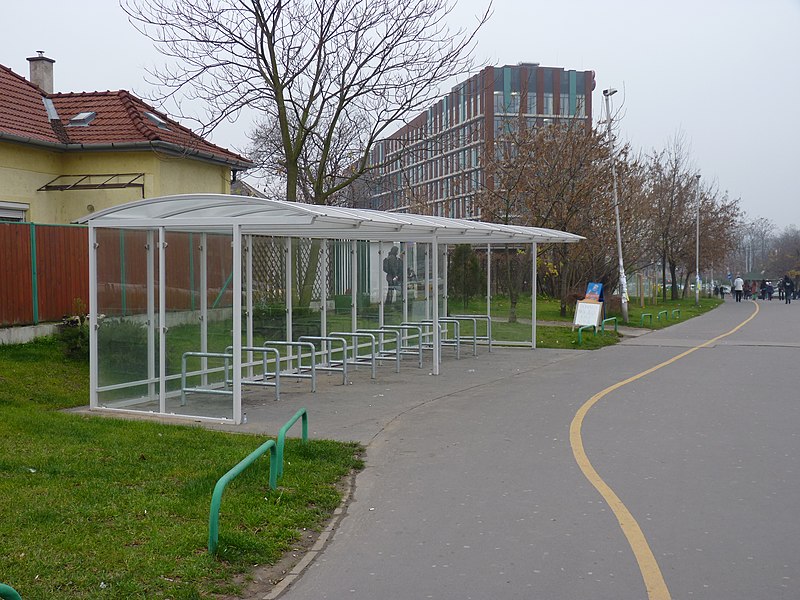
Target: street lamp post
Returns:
[[623, 283], [697, 245]]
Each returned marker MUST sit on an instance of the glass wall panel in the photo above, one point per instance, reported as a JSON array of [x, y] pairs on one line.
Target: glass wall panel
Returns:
[[340, 285], [441, 283], [126, 326], [306, 288], [368, 270], [268, 289], [206, 376], [418, 282], [395, 280]]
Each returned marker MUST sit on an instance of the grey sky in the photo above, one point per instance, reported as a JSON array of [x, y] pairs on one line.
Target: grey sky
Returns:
[[725, 73]]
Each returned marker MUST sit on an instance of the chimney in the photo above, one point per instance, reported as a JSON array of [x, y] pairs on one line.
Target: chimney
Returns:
[[42, 71]]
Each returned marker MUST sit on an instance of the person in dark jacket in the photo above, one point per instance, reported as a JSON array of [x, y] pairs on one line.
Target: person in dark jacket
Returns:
[[393, 267], [788, 289]]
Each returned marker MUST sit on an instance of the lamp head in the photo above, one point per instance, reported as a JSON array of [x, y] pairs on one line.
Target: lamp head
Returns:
[[609, 92]]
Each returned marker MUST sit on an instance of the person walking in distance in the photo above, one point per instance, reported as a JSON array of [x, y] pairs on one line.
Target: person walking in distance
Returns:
[[788, 289], [393, 267], [738, 288]]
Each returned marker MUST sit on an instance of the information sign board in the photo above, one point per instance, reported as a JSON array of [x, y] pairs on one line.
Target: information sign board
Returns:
[[588, 313]]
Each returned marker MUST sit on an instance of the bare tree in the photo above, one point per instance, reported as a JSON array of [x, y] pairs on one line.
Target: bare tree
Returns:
[[719, 216], [558, 176], [329, 77], [785, 255], [760, 232], [670, 189], [677, 203]]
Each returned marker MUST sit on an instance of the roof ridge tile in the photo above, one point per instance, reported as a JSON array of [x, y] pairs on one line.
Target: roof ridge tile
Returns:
[[23, 80], [136, 116]]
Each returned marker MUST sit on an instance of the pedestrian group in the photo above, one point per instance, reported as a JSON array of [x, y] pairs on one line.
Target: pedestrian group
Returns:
[[764, 290]]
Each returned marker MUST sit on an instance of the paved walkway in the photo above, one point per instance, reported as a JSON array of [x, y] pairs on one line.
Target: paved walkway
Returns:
[[471, 489]]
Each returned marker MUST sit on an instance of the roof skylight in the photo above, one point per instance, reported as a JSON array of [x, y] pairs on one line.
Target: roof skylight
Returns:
[[157, 121], [82, 119]]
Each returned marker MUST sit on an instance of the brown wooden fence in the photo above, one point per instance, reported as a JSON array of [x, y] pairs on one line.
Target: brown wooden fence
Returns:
[[44, 272]]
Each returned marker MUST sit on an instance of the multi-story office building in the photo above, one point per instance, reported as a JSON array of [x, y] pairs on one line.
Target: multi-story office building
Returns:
[[433, 165]]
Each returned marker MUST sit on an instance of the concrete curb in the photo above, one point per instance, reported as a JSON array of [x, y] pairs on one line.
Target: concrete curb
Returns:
[[318, 546]]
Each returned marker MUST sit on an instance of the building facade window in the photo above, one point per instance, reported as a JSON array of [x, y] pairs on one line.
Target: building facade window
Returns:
[[547, 109], [13, 211], [563, 108], [437, 163]]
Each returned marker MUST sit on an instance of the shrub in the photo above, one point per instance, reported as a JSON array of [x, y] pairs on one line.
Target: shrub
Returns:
[[122, 347], [74, 332]]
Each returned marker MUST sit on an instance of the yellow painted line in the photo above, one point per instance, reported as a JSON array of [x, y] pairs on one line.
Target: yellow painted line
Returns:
[[651, 573]]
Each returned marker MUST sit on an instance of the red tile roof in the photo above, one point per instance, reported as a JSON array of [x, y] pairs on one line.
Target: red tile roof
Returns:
[[22, 111], [121, 122]]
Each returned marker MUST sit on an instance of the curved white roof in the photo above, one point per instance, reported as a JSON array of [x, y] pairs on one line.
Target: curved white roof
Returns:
[[258, 216]]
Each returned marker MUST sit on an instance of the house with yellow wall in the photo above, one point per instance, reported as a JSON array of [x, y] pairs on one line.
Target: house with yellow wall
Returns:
[[63, 155]]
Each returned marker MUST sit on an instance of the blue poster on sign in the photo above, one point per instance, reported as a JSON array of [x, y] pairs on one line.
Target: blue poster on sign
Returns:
[[594, 292]]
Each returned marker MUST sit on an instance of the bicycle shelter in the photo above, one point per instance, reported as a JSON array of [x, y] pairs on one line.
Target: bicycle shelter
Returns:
[[190, 288]]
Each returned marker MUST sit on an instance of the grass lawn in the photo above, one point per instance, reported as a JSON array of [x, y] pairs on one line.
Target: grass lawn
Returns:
[[548, 310], [104, 508]]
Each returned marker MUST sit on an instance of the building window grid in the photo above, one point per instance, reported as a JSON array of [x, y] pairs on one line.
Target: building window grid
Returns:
[[547, 109], [563, 109], [457, 157]]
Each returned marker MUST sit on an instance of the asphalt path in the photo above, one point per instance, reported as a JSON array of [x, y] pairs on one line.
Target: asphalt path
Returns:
[[472, 490]]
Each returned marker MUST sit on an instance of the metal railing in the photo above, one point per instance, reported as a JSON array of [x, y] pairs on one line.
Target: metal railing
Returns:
[[216, 497], [488, 319], [297, 371], [474, 322], [361, 359], [227, 357], [275, 450], [580, 332], [266, 375], [444, 340], [386, 354], [300, 414], [8, 593], [403, 339], [609, 319], [328, 350]]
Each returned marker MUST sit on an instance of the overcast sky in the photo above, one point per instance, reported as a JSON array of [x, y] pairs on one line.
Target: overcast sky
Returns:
[[724, 73]]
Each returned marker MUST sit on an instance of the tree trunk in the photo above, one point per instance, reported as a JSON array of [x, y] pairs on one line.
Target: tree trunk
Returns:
[[563, 285], [306, 280], [673, 271], [511, 287]]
